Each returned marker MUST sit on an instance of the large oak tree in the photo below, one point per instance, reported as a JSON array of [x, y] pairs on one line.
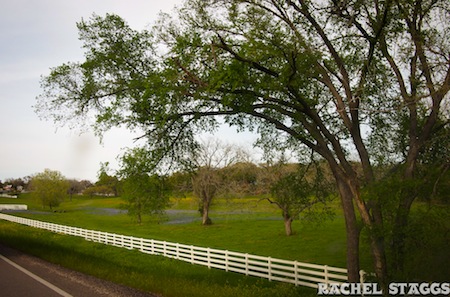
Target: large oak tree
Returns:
[[341, 78]]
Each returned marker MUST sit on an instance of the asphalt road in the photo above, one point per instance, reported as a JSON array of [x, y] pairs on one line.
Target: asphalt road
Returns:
[[22, 275]]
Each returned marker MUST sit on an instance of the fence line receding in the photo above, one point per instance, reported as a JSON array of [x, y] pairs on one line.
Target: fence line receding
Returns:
[[297, 273]]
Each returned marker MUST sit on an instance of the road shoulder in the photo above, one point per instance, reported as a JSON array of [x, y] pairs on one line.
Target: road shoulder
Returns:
[[76, 283]]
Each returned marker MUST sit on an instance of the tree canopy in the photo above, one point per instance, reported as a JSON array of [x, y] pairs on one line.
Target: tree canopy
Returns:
[[145, 194], [300, 190], [363, 81], [207, 182], [49, 187]]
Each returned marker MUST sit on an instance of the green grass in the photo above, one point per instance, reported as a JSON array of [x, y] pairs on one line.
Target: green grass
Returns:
[[145, 272], [245, 225]]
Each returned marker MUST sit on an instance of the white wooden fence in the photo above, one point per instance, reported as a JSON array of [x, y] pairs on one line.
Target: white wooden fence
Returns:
[[298, 273], [13, 207]]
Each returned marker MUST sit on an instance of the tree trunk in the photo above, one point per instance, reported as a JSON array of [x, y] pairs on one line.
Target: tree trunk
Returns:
[[352, 230], [350, 195], [377, 241], [399, 233], [407, 197], [379, 259], [372, 220], [205, 213], [288, 225], [139, 212]]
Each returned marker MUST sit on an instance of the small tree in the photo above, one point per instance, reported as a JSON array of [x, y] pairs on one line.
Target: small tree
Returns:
[[210, 156], [206, 183], [49, 187], [298, 192], [145, 193]]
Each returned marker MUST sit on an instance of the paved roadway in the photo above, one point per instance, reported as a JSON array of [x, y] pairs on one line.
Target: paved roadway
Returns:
[[22, 275]]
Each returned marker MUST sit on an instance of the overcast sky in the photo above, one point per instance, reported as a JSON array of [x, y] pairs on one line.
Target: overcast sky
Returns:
[[34, 36]]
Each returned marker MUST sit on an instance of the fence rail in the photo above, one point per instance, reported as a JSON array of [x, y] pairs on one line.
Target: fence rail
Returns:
[[298, 273]]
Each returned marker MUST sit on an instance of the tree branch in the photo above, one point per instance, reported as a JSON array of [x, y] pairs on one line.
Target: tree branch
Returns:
[[272, 202], [341, 66], [223, 45]]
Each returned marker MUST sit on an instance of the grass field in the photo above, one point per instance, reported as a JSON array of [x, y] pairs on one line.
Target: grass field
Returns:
[[244, 225], [154, 274]]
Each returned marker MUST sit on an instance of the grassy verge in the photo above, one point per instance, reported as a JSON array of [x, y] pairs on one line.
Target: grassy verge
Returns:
[[145, 272], [244, 225]]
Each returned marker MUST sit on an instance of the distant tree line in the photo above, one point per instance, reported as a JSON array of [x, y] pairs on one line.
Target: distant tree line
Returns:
[[219, 170]]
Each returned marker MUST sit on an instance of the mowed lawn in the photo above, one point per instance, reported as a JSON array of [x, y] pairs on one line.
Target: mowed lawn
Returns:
[[245, 225]]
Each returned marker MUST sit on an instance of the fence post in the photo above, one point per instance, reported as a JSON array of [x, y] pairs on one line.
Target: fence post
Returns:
[[325, 270], [192, 254], [362, 276], [164, 248], [269, 264], [208, 254], [226, 260], [246, 264], [296, 272]]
